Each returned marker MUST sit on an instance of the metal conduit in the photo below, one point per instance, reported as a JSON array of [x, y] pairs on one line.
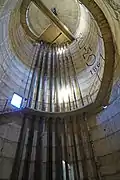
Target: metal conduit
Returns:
[[51, 92], [65, 150], [58, 76], [49, 76], [19, 151], [75, 78], [54, 73], [70, 82], [31, 67], [60, 148], [72, 152], [67, 80], [72, 79], [58, 151], [62, 79], [31, 89], [75, 149], [38, 77], [81, 150], [27, 161], [44, 85], [54, 93], [43, 71], [66, 103], [49, 174], [40, 93], [38, 156]]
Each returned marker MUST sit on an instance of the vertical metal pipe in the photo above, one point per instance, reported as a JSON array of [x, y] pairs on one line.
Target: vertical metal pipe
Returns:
[[27, 160], [75, 149], [31, 89], [38, 161], [67, 82], [49, 79], [82, 153], [66, 77], [19, 151], [51, 90], [42, 79], [58, 151], [63, 78], [31, 67], [38, 69], [75, 79], [44, 97], [72, 152], [54, 83], [58, 78], [49, 150], [70, 81], [40, 93], [65, 150]]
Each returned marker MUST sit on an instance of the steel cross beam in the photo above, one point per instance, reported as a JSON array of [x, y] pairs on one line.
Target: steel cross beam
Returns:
[[54, 18]]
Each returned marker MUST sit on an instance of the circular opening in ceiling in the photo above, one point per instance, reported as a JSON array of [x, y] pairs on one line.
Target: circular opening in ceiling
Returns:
[[40, 23]]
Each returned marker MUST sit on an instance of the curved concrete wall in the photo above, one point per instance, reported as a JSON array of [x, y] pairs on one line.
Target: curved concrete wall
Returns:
[[9, 135], [13, 73], [105, 126], [105, 136], [87, 53]]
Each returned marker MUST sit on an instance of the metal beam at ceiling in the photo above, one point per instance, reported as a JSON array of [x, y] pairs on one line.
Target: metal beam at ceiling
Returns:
[[54, 18]]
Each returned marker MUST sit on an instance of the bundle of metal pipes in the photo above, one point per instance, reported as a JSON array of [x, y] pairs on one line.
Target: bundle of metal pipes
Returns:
[[54, 86], [55, 148]]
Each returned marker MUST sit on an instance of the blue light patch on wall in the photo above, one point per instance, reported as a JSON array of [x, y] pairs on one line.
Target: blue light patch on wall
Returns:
[[16, 100]]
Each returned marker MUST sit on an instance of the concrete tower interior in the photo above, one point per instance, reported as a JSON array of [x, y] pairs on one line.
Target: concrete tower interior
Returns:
[[61, 60]]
